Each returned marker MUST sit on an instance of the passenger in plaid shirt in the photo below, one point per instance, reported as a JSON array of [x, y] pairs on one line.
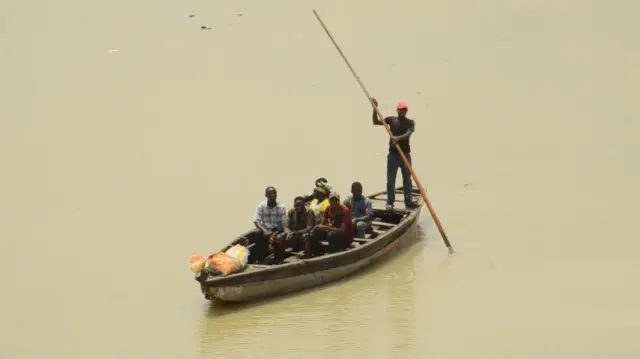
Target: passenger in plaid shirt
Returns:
[[270, 219]]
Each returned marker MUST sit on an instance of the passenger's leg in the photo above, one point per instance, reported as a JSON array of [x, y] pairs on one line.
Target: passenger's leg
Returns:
[[392, 172], [338, 241], [306, 244], [313, 242], [279, 247], [333, 245], [296, 243], [260, 246], [361, 228]]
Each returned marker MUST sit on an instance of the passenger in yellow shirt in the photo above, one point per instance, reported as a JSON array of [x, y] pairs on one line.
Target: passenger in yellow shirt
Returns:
[[308, 198], [320, 202]]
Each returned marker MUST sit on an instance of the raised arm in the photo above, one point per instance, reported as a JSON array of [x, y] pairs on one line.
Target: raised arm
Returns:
[[376, 120]]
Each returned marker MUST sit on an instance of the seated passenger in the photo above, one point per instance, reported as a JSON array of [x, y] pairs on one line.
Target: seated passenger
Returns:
[[270, 219], [320, 202], [308, 198], [336, 227], [361, 208], [300, 224]]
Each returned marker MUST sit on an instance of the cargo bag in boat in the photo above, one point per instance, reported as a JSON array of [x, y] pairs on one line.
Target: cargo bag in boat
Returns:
[[240, 253], [221, 263], [231, 261], [197, 263]]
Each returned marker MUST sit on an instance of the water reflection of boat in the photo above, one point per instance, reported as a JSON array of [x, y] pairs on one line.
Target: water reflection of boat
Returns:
[[261, 281]]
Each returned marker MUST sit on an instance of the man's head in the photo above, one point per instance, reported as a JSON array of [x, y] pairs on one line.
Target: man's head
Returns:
[[402, 109], [271, 194], [356, 190], [322, 190], [334, 200], [298, 204], [320, 181]]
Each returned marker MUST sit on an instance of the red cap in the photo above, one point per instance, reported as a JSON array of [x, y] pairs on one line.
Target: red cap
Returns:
[[401, 105]]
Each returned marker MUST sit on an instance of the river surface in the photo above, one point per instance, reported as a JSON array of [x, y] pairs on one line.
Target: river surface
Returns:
[[116, 166]]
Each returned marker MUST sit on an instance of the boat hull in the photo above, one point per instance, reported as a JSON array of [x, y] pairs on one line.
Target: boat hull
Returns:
[[244, 292]]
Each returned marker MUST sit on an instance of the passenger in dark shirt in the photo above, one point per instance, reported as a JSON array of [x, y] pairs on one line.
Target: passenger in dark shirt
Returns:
[[300, 225], [401, 127]]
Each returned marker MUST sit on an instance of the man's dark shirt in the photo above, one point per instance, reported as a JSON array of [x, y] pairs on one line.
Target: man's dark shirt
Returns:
[[299, 221], [398, 128]]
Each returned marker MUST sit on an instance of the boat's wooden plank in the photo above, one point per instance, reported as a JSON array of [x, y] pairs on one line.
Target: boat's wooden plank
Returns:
[[354, 244], [398, 206], [380, 205], [414, 191], [379, 233], [291, 259], [383, 224], [384, 199], [297, 254], [399, 197], [255, 267], [358, 240]]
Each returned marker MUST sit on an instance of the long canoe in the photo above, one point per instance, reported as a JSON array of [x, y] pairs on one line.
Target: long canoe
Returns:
[[295, 274]]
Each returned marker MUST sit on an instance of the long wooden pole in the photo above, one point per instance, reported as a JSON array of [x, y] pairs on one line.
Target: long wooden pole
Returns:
[[386, 126]]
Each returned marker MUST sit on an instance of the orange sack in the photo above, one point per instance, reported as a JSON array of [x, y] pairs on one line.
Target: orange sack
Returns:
[[196, 258], [222, 263], [197, 263]]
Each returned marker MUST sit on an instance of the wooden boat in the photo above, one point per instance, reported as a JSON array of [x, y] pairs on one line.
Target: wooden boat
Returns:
[[295, 274]]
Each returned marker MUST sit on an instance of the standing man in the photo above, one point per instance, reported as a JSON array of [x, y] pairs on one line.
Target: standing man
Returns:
[[401, 128]]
